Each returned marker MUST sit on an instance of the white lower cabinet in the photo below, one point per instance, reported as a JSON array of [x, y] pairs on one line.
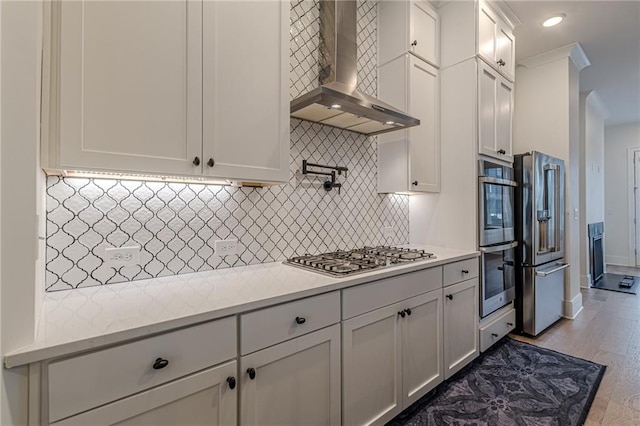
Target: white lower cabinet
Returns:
[[293, 383], [460, 325], [205, 398], [391, 357]]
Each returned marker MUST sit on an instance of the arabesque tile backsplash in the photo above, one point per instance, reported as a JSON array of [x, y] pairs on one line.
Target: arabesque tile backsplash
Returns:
[[176, 224]]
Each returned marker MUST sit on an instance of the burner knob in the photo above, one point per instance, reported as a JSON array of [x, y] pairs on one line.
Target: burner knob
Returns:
[[402, 314]]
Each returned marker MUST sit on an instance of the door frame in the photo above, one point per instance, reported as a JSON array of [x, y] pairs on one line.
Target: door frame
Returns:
[[632, 231]]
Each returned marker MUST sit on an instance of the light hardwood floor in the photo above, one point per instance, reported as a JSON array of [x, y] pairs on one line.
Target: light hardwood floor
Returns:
[[607, 331]]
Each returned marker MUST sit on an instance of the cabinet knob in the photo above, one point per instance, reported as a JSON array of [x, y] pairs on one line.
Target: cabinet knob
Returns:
[[494, 335], [232, 382], [414, 43], [211, 163], [408, 311], [414, 183], [501, 62], [450, 296], [300, 320], [160, 364], [510, 324], [196, 161], [402, 314], [252, 373], [465, 271], [502, 151]]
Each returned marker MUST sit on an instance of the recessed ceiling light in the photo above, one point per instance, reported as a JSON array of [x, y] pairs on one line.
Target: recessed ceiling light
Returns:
[[554, 20], [389, 123], [336, 106]]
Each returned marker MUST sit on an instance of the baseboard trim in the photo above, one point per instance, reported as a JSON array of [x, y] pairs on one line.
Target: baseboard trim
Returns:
[[573, 307], [585, 281]]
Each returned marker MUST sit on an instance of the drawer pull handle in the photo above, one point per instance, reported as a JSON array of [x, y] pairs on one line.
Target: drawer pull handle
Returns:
[[450, 296], [252, 373], [300, 320], [510, 324], [494, 335], [160, 364], [408, 311], [465, 271], [232, 382], [402, 314]]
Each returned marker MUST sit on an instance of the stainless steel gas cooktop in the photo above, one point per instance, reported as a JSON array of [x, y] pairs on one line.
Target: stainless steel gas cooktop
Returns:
[[343, 263]]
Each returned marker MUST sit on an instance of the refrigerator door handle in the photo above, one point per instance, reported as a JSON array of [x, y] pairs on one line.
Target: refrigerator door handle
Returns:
[[553, 271], [501, 247]]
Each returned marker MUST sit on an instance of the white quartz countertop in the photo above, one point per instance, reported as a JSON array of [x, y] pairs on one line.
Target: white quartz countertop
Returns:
[[81, 319]]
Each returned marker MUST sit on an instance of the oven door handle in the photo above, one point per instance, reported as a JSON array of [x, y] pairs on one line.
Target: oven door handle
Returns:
[[501, 247], [497, 181], [559, 268]]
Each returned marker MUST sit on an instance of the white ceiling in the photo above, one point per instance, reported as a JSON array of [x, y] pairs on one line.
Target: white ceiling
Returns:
[[609, 33]]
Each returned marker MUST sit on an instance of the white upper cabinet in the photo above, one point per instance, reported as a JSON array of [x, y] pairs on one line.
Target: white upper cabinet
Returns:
[[470, 28], [495, 110], [161, 87], [129, 80], [246, 90], [495, 41], [408, 26], [409, 160]]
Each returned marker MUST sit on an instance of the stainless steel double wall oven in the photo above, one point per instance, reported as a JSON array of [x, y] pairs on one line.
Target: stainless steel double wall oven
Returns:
[[496, 193]]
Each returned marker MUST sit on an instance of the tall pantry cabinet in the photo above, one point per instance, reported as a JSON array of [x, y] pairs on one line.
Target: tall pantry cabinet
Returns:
[[161, 88]]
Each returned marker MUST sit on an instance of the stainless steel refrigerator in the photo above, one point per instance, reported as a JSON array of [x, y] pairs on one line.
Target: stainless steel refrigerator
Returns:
[[540, 232]]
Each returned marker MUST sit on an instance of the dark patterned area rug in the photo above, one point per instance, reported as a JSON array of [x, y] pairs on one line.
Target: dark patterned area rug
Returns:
[[513, 383]]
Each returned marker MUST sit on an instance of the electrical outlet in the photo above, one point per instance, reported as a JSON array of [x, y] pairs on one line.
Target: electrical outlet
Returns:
[[225, 247], [388, 232], [122, 256]]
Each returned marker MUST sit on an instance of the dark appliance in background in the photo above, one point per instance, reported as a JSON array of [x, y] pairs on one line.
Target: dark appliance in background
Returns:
[[496, 194], [540, 232], [596, 252]]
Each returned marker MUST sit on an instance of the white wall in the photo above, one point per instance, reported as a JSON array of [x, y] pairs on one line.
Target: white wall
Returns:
[[546, 119], [21, 35], [619, 234], [592, 115]]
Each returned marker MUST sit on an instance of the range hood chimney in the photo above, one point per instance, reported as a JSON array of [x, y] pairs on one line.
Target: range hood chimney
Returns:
[[337, 102]]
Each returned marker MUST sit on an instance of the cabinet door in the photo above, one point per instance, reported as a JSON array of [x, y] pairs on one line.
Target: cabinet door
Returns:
[[246, 90], [487, 114], [424, 140], [422, 365], [506, 52], [129, 79], [295, 383], [199, 399], [372, 371], [487, 30], [424, 25], [460, 325], [504, 119]]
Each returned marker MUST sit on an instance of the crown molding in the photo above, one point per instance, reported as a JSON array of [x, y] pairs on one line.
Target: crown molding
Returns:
[[573, 51], [594, 99]]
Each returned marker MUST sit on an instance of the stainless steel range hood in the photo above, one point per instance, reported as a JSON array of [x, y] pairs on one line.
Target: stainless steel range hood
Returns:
[[337, 102]]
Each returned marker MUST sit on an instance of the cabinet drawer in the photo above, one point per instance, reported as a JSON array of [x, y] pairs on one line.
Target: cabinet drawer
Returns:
[[497, 329], [202, 398], [460, 271], [365, 298], [273, 325], [81, 383]]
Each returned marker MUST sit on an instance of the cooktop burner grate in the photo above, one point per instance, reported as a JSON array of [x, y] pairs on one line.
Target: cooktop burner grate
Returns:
[[342, 263]]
